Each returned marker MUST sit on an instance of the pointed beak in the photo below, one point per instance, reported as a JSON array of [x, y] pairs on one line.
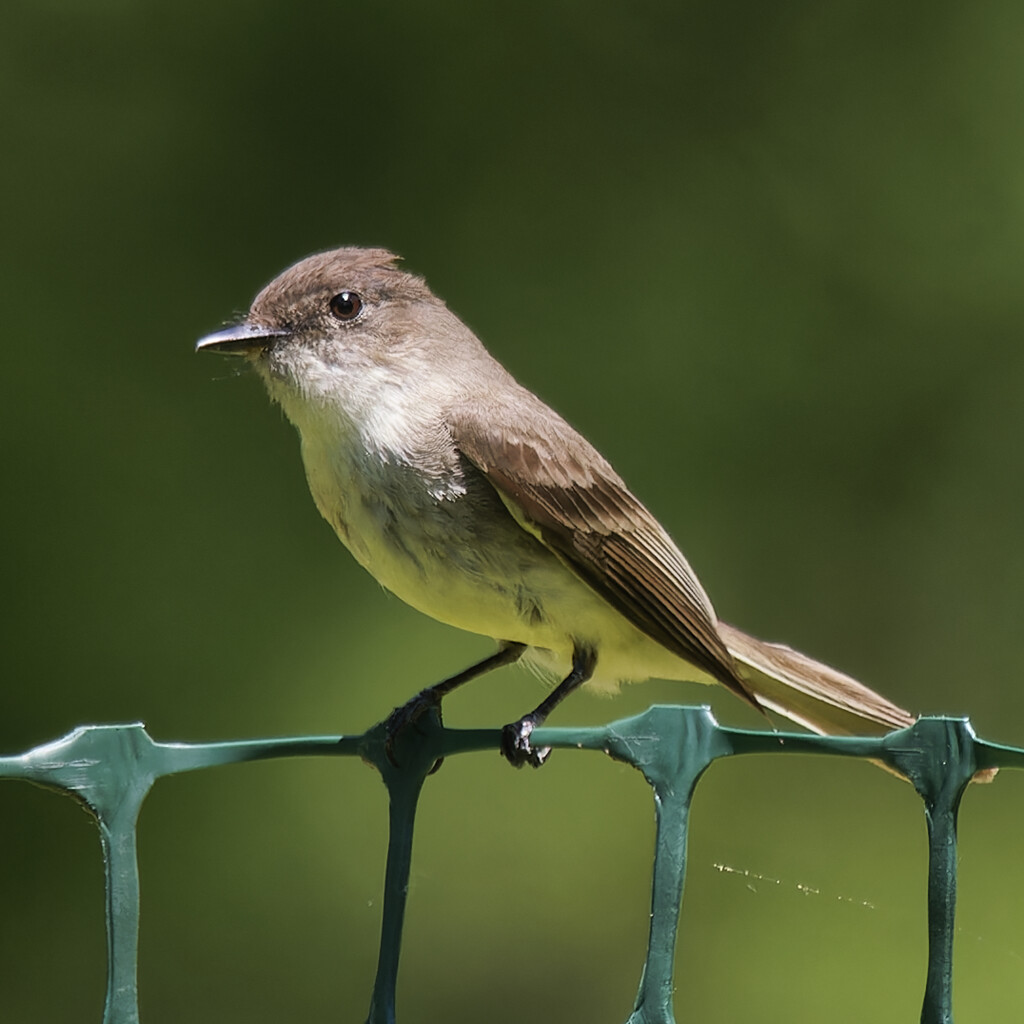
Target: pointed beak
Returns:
[[240, 340]]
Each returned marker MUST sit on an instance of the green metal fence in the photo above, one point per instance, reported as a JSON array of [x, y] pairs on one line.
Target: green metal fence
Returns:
[[110, 769]]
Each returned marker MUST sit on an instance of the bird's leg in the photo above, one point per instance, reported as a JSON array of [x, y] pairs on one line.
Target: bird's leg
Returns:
[[408, 713], [515, 738]]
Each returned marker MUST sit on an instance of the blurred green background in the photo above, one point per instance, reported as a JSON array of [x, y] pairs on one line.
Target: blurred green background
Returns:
[[767, 256]]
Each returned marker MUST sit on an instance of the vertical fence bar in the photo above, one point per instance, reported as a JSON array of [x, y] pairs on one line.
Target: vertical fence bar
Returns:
[[122, 875], [938, 756], [942, 882], [672, 747], [404, 766], [109, 769]]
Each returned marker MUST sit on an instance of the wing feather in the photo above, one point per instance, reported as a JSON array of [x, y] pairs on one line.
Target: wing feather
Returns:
[[580, 508]]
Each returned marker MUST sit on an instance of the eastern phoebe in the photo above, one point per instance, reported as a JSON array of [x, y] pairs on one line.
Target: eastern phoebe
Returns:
[[470, 499]]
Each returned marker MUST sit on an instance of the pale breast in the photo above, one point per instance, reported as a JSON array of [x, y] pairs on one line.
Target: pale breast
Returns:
[[442, 542]]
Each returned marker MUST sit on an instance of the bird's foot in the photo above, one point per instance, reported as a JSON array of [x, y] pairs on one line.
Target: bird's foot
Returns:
[[407, 716], [515, 743]]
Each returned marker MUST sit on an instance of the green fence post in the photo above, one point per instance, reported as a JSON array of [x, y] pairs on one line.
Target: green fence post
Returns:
[[108, 769], [938, 756], [671, 746], [415, 752]]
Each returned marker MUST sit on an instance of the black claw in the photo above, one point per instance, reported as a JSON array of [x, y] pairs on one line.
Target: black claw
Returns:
[[407, 716], [515, 744]]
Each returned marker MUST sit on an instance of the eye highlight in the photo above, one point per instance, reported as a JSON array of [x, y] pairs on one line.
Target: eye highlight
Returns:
[[346, 306]]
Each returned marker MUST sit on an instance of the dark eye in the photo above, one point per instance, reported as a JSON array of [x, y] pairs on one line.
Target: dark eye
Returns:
[[346, 305]]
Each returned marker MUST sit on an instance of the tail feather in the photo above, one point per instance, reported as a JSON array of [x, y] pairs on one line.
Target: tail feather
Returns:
[[808, 692]]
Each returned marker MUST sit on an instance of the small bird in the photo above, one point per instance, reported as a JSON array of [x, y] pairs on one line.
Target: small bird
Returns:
[[474, 502]]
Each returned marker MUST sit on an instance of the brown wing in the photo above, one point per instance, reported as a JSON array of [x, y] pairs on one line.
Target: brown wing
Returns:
[[566, 492]]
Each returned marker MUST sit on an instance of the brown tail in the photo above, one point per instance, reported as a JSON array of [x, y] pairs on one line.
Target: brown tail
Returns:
[[808, 692]]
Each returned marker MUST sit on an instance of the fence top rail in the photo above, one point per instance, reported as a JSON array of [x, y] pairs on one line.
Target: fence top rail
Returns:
[[111, 768]]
